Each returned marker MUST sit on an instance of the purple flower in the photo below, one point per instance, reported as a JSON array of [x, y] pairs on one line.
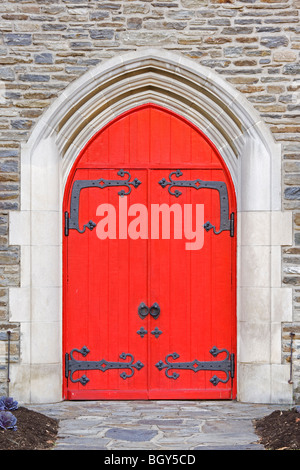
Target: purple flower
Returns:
[[8, 420]]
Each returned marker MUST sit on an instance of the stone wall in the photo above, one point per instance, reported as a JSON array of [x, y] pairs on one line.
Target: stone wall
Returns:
[[47, 44]]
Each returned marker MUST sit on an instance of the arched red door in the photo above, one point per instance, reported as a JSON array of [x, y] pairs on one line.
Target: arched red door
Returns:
[[149, 264]]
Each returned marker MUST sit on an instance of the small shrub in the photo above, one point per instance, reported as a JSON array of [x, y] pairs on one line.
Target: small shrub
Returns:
[[8, 420], [8, 404]]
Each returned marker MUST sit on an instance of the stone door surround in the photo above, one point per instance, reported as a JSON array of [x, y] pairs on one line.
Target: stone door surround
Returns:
[[254, 161]]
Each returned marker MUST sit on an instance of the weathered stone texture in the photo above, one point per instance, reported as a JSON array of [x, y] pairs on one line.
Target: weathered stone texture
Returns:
[[45, 45]]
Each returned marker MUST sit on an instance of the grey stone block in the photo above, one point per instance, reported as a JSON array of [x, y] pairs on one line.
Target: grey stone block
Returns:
[[43, 58], [292, 193], [7, 73], [293, 69], [31, 77], [9, 166], [102, 33], [274, 41], [13, 39]]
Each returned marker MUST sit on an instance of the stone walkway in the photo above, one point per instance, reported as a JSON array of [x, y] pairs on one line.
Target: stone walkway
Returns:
[[156, 425]]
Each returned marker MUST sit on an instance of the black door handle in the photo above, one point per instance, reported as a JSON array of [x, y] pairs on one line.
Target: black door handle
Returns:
[[155, 310], [143, 310]]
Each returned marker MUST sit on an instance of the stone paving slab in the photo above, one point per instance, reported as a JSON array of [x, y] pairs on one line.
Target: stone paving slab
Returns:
[[156, 425]]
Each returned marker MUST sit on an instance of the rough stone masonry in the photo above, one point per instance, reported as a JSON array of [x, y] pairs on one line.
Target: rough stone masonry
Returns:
[[47, 44]]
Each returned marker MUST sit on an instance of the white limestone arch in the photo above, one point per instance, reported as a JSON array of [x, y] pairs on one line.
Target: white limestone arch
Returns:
[[254, 161]]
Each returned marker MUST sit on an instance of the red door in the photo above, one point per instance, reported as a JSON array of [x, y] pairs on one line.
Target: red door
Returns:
[[149, 264]]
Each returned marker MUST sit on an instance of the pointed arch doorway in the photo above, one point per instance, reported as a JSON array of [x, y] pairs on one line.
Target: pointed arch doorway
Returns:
[[149, 254], [253, 159]]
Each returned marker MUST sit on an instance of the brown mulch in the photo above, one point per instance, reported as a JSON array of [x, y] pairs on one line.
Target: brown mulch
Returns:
[[35, 431], [280, 430]]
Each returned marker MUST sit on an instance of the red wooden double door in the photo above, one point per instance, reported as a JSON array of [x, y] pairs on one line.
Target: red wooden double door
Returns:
[[149, 264]]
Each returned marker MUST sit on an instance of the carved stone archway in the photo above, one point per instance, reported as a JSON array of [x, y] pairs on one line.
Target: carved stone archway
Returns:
[[254, 161]]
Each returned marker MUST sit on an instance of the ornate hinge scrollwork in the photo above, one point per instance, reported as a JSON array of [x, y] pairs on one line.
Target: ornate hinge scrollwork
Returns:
[[227, 365], [72, 365], [71, 220], [226, 222]]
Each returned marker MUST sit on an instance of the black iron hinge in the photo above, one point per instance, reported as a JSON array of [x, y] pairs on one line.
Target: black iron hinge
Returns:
[[73, 365], [71, 220], [232, 224], [66, 224], [226, 365], [226, 223]]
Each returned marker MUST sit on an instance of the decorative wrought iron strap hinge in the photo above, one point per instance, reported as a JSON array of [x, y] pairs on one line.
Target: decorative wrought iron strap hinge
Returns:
[[71, 221], [226, 223], [72, 365], [227, 365]]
